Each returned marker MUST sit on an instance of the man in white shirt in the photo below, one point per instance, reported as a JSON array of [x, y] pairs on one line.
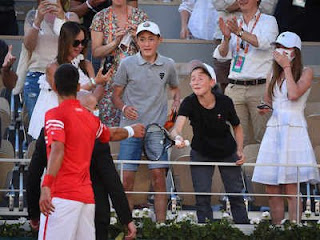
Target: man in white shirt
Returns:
[[198, 19], [246, 42], [227, 9]]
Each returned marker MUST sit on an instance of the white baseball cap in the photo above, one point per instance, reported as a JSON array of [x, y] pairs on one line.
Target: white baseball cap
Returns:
[[289, 40], [198, 64], [150, 27]]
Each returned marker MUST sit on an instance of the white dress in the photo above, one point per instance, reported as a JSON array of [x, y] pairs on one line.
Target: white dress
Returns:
[[47, 100], [286, 141]]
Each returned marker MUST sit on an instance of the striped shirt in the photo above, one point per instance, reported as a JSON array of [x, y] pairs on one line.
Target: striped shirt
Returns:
[[77, 128]]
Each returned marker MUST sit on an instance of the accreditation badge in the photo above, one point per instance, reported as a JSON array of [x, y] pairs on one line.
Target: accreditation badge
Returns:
[[238, 63]]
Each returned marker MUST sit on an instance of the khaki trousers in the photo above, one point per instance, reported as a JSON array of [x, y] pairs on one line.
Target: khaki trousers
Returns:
[[246, 99]]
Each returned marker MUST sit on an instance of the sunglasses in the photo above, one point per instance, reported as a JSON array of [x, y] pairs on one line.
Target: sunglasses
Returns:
[[83, 42]]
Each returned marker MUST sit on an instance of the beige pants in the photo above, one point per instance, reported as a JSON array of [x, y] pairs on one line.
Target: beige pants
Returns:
[[246, 99]]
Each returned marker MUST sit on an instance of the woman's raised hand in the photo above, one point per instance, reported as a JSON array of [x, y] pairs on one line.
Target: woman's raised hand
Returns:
[[103, 78], [58, 10]]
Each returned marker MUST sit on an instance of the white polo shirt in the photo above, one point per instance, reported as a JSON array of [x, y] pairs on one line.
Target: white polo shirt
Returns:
[[258, 60]]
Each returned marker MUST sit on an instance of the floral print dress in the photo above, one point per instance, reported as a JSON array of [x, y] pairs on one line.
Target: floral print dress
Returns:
[[106, 21]]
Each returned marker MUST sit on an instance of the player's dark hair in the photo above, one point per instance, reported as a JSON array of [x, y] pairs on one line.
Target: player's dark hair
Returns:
[[66, 79]]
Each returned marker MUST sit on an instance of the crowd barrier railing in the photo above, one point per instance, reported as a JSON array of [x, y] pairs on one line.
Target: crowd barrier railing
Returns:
[[120, 164]]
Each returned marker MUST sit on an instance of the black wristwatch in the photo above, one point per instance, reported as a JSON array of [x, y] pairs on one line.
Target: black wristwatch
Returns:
[[240, 33]]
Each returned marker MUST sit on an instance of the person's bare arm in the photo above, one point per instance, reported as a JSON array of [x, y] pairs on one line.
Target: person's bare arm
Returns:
[[175, 92], [50, 70], [82, 8], [98, 49], [233, 26], [118, 134], [9, 77], [224, 46], [177, 131], [53, 166], [238, 135], [32, 24], [129, 112], [132, 231], [184, 16]]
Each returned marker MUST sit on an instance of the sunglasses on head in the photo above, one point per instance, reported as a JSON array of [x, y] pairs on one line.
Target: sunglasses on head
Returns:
[[83, 42]]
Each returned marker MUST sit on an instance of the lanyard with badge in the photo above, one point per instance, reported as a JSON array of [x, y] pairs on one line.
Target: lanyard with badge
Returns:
[[240, 58]]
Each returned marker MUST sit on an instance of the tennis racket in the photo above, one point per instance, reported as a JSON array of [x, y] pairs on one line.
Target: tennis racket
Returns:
[[157, 141]]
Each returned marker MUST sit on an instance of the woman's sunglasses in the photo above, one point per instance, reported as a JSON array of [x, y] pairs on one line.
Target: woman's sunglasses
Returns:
[[83, 42]]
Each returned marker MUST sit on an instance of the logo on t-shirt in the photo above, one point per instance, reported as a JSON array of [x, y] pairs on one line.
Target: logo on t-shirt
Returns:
[[161, 75]]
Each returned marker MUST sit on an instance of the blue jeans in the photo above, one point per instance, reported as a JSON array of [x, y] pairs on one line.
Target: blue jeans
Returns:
[[202, 181], [131, 149], [31, 91]]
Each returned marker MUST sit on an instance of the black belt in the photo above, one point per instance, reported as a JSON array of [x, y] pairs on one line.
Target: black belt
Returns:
[[248, 82]]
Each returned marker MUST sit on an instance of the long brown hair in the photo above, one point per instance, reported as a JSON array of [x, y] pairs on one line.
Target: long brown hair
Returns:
[[296, 67], [68, 34]]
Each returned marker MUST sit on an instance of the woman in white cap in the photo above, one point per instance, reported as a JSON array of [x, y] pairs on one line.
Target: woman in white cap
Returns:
[[208, 112], [286, 139]]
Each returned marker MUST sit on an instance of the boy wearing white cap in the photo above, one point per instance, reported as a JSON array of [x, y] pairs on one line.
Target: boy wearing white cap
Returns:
[[286, 139], [140, 92], [208, 112]]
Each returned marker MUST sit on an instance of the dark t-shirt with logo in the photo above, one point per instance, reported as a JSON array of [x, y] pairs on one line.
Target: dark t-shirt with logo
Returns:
[[211, 133]]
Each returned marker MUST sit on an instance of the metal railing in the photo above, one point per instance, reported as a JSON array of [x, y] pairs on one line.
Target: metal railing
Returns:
[[298, 195]]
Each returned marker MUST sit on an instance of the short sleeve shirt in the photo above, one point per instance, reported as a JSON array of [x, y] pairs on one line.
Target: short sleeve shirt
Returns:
[[211, 133], [145, 87], [106, 20], [77, 128]]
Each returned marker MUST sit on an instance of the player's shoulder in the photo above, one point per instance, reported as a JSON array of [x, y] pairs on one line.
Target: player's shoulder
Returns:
[[53, 112]]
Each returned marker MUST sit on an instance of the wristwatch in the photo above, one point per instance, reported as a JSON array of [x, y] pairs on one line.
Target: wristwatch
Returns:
[[240, 33]]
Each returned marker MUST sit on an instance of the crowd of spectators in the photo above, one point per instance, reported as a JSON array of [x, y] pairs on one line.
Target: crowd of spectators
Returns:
[[134, 89]]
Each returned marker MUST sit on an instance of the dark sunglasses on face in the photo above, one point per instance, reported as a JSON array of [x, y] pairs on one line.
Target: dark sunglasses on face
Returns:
[[83, 42]]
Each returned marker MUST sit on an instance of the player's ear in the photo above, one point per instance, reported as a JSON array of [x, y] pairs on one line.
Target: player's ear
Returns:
[[78, 87]]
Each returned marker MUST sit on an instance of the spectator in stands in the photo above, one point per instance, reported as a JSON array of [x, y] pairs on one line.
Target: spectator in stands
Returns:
[[208, 112], [227, 9], [8, 77], [286, 139], [140, 93], [198, 19], [8, 18], [66, 192], [113, 33], [105, 182], [299, 16], [42, 27], [247, 42], [86, 9], [72, 47]]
